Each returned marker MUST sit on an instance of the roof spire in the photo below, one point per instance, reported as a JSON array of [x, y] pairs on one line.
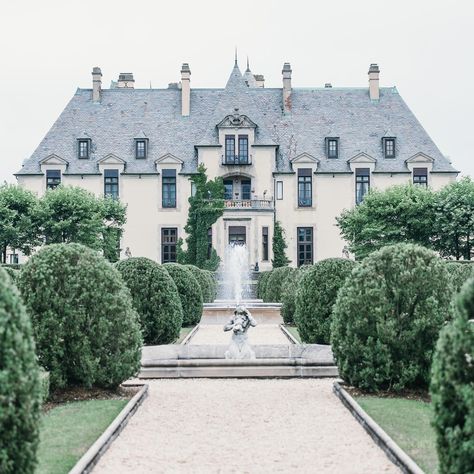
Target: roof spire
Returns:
[[235, 61], [248, 67]]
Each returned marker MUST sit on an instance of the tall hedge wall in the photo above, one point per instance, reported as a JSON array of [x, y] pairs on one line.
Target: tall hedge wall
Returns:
[[86, 330], [155, 297], [20, 394]]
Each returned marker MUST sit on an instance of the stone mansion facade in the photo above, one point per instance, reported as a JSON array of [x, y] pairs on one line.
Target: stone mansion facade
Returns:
[[296, 155]]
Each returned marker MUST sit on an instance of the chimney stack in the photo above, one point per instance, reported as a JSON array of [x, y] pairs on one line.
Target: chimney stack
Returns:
[[374, 89], [126, 80], [185, 90], [259, 80], [96, 84], [286, 87]]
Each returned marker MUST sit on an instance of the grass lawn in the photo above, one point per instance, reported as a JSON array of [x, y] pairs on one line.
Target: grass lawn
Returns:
[[408, 423], [67, 432], [294, 332], [183, 332]]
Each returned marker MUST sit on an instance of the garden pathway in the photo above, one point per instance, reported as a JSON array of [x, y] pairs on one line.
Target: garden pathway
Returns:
[[254, 426]]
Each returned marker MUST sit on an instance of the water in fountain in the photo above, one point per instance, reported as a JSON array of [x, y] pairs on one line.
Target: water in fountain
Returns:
[[234, 273]]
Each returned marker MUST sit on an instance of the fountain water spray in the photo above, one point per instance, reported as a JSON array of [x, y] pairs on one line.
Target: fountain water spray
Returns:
[[234, 273]]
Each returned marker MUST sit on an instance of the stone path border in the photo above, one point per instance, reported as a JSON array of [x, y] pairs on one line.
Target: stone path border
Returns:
[[98, 449], [288, 334], [190, 335], [381, 438]]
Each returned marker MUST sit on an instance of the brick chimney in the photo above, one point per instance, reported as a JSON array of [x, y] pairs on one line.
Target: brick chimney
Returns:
[[185, 90], [96, 84], [374, 89], [126, 80], [286, 72]]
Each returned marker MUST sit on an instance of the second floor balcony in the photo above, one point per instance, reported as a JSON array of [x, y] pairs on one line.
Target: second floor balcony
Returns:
[[248, 204], [239, 160]]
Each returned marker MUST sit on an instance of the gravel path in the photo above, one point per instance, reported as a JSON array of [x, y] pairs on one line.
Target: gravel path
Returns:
[[243, 426], [262, 334]]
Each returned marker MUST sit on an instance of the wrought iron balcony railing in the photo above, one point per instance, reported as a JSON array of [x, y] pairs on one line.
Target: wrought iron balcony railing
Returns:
[[236, 160]]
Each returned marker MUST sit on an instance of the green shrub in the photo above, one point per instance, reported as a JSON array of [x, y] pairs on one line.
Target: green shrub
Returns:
[[315, 297], [86, 330], [206, 282], [189, 292], [13, 273], [155, 297], [288, 296], [460, 273], [44, 382], [211, 277], [452, 388], [274, 285], [262, 284], [20, 396], [387, 318]]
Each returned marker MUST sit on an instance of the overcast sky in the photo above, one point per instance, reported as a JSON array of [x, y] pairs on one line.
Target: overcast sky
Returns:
[[424, 47]]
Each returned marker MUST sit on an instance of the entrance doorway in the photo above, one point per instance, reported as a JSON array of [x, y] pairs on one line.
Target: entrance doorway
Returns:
[[237, 235]]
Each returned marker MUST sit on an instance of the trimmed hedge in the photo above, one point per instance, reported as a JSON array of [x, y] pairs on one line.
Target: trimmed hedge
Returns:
[[387, 318], [288, 296], [213, 284], [262, 284], [86, 330], [275, 282], [155, 298], [189, 292], [20, 397], [460, 273], [452, 388], [315, 297], [206, 282], [13, 273]]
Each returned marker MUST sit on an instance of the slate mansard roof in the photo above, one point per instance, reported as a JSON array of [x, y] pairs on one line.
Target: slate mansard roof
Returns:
[[316, 113]]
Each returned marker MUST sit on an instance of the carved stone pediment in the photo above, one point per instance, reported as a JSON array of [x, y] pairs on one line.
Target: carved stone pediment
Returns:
[[236, 120], [420, 158]]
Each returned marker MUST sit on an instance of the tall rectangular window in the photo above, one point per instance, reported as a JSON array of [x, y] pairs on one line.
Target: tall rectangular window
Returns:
[[111, 183], [305, 246], [243, 149], [246, 188], [83, 148], [305, 188], [230, 149], [53, 179], [389, 147], [169, 237], [279, 190], [228, 189], [140, 149], [168, 180], [264, 244], [420, 176], [362, 183], [332, 148]]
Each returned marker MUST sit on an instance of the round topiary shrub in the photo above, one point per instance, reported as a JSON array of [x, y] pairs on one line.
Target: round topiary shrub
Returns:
[[189, 292], [262, 284], [387, 318], [452, 387], [20, 395], [205, 281], [315, 297], [86, 330], [274, 285], [155, 297], [212, 282], [460, 273], [288, 296]]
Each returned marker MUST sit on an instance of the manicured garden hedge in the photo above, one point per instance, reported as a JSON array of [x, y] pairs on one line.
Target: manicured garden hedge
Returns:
[[387, 318], [452, 387], [288, 296], [20, 396], [460, 273], [315, 297], [155, 297], [86, 330], [275, 283], [206, 282], [262, 284], [189, 292]]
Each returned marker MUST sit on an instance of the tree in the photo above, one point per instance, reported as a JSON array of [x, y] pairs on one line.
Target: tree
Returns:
[[71, 214], [454, 220], [397, 214], [206, 206], [279, 247], [18, 226], [20, 394]]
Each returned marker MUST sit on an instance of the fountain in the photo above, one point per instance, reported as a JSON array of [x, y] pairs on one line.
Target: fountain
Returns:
[[234, 274]]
